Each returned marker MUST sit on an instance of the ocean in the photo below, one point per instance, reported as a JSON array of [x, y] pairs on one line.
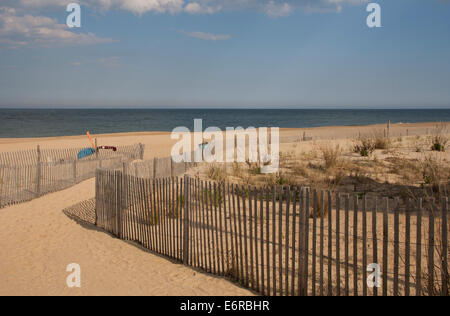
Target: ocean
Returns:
[[65, 122]]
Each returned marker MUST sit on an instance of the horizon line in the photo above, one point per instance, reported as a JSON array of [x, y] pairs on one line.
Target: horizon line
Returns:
[[444, 107]]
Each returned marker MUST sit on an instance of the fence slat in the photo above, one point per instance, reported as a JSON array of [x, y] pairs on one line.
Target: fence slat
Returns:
[[430, 263], [314, 236], [346, 243], [210, 219], [225, 217], [250, 235], [374, 239], [396, 247], [261, 232], [330, 244], [198, 224], [241, 246], [174, 216], [151, 212], [364, 232], [338, 244], [237, 270], [214, 227], [407, 247], [294, 235], [232, 257], [444, 251], [207, 266], [286, 240], [154, 216], [221, 229], [321, 247], [166, 219], [419, 248], [255, 238], [160, 216], [385, 246], [355, 245], [141, 198], [280, 240], [169, 214], [268, 240], [306, 244], [146, 213], [186, 220], [274, 264]]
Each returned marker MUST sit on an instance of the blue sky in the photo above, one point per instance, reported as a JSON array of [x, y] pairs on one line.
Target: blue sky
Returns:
[[218, 53]]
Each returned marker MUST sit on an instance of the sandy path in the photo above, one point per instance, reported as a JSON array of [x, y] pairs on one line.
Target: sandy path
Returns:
[[38, 241]]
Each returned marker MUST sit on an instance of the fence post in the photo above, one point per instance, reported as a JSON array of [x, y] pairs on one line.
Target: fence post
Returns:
[[74, 171], [186, 220], [96, 151], [119, 204], [2, 168], [155, 162], [141, 147], [97, 194], [172, 167], [38, 172], [444, 253]]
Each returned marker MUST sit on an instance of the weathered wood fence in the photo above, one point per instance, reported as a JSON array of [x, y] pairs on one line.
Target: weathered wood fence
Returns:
[[157, 167], [282, 240], [25, 175]]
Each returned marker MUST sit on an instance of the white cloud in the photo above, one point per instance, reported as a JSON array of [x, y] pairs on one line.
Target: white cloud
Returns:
[[207, 36], [196, 8], [143, 6], [275, 10], [18, 31], [43, 3]]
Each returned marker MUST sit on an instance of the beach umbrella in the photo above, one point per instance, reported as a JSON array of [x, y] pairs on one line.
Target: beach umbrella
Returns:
[[90, 151], [87, 151]]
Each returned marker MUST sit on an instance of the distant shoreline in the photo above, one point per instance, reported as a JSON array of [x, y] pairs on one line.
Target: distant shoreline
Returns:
[[283, 130], [51, 123], [159, 143]]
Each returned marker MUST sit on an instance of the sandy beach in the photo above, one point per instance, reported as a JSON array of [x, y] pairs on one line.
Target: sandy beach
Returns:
[[38, 240]]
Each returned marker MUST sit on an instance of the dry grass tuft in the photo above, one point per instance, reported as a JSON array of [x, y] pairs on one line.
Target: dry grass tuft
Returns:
[[217, 173], [331, 155], [439, 139], [364, 146], [380, 141]]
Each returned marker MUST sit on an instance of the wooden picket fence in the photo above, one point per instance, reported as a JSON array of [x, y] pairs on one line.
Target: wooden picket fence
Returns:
[[282, 240], [25, 175], [158, 167]]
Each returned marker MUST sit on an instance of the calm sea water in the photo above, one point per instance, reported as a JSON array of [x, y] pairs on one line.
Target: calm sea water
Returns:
[[45, 122]]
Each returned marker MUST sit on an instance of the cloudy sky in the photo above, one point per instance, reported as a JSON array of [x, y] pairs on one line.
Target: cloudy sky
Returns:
[[225, 53]]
